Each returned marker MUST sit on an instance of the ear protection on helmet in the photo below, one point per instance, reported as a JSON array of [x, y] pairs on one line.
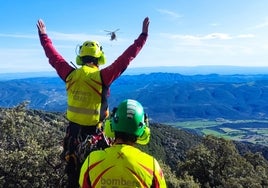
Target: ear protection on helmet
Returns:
[[145, 137], [102, 59], [108, 125], [79, 60], [108, 129]]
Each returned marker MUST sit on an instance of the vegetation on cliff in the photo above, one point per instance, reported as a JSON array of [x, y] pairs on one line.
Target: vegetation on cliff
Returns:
[[30, 145]]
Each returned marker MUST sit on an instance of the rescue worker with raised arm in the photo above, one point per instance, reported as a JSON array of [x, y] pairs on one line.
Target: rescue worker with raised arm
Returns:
[[87, 87], [123, 165]]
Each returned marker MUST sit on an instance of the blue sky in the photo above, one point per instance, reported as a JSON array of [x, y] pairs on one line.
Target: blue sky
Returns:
[[181, 32]]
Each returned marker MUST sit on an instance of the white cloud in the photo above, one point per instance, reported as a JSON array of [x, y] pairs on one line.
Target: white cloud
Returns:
[[60, 36], [214, 24], [75, 36], [212, 45], [211, 36], [261, 25], [246, 36], [4, 35], [169, 13]]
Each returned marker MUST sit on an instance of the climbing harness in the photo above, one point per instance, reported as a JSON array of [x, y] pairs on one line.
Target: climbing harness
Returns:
[[78, 148], [91, 143]]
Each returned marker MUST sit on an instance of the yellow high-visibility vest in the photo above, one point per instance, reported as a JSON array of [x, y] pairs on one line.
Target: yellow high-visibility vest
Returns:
[[84, 93], [120, 166]]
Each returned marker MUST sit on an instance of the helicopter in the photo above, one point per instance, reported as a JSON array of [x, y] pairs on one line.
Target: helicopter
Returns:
[[112, 34]]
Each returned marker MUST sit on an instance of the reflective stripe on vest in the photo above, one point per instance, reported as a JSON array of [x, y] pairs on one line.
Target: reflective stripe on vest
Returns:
[[84, 90], [83, 110]]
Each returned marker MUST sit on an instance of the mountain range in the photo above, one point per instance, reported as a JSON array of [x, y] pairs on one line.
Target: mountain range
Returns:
[[184, 70], [166, 97]]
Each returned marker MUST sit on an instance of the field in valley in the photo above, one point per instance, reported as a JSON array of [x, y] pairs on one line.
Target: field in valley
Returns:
[[253, 131]]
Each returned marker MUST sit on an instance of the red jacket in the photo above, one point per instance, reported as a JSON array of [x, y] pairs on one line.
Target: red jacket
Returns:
[[108, 74]]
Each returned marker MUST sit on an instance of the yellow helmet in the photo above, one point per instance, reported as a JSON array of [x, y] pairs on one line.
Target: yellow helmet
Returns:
[[92, 49]]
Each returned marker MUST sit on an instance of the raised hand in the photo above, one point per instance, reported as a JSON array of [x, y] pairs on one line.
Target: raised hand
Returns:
[[41, 27], [145, 25]]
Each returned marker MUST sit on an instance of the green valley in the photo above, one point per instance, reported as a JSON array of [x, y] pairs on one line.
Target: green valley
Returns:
[[252, 131]]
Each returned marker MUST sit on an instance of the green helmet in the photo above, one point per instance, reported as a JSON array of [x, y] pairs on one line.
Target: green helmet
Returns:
[[129, 118], [93, 49]]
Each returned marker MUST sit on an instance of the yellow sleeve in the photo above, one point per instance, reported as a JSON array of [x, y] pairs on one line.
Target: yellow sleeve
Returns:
[[84, 174], [159, 179]]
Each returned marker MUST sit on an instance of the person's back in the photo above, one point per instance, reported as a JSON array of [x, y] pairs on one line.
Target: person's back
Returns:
[[84, 90], [122, 165]]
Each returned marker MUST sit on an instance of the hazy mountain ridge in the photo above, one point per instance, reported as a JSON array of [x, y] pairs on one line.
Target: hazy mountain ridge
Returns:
[[194, 70], [173, 96], [167, 97], [184, 70], [43, 93]]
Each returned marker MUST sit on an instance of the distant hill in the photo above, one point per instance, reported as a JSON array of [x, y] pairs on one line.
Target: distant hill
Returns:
[[167, 97], [194, 70], [184, 70], [43, 93], [23, 75], [172, 97]]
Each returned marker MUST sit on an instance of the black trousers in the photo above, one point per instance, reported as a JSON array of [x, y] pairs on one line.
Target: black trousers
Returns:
[[75, 134]]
